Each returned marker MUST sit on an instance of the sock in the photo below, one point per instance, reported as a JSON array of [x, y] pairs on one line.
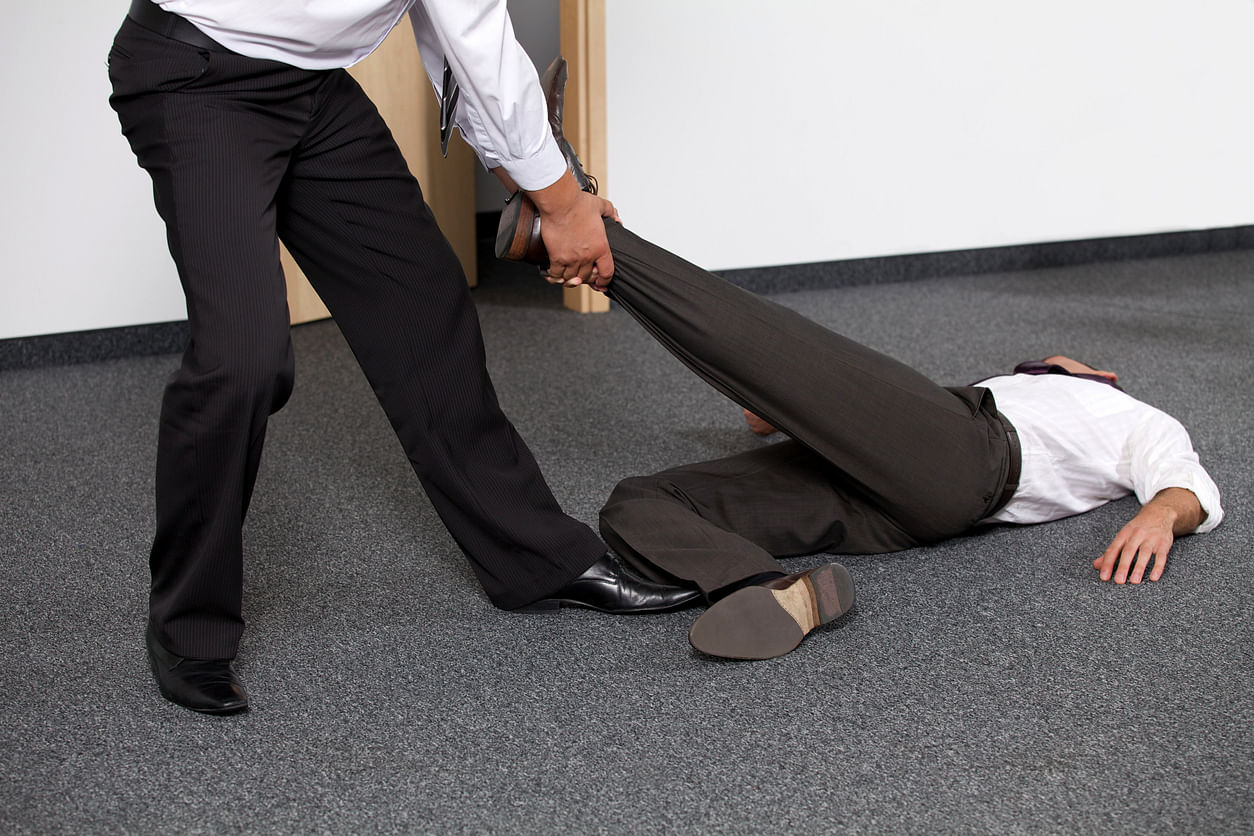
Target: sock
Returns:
[[752, 580]]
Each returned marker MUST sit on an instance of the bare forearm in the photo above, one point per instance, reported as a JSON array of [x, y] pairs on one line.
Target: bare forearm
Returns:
[[506, 181], [1177, 507]]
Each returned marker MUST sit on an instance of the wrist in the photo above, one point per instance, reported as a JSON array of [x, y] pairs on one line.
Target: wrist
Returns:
[[558, 197], [1177, 509]]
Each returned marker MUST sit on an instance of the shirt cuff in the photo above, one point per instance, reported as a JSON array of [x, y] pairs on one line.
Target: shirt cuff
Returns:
[[537, 172]]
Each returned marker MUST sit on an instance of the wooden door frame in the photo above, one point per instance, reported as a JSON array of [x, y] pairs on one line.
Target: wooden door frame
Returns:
[[583, 121]]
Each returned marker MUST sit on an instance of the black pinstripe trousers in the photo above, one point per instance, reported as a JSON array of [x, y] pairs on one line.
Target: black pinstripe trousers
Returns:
[[879, 457], [242, 152]]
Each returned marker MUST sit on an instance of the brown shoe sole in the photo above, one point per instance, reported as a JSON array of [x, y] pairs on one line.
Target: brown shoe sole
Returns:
[[758, 622], [518, 234]]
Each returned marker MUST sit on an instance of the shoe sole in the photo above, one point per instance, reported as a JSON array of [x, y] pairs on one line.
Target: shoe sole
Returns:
[[231, 708], [552, 604], [761, 623]]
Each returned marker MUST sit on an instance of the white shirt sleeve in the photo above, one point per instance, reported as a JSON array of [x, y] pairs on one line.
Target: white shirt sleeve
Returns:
[[1161, 456], [502, 113]]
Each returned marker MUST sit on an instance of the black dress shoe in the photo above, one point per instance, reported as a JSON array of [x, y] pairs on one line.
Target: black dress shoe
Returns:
[[518, 234], [210, 686], [609, 587]]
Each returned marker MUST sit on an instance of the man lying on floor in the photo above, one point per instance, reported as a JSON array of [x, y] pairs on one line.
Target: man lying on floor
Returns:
[[879, 458]]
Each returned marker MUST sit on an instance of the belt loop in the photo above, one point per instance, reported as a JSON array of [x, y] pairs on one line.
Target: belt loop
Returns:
[[1014, 467]]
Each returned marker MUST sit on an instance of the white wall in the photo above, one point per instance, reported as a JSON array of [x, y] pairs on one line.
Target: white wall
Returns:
[[755, 132], [83, 247], [940, 126]]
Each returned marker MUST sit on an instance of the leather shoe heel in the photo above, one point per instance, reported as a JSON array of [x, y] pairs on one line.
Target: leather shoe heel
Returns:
[[210, 686], [518, 234], [607, 586]]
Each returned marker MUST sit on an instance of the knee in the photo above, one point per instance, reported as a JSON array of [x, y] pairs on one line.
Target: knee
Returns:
[[275, 383], [619, 509], [255, 376], [267, 378], [637, 487], [622, 517]]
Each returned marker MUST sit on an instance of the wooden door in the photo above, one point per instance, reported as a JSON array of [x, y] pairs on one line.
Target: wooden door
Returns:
[[394, 79], [583, 122]]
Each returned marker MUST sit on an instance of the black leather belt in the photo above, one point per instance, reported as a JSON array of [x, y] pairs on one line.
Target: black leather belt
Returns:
[[151, 16], [1012, 472]]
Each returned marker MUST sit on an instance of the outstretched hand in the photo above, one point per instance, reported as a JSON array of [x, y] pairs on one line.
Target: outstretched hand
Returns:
[[1134, 547], [1147, 538]]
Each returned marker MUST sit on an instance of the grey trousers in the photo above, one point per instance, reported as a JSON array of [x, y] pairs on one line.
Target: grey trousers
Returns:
[[879, 458]]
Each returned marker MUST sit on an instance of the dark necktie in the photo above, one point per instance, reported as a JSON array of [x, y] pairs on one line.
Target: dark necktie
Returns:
[[1041, 367]]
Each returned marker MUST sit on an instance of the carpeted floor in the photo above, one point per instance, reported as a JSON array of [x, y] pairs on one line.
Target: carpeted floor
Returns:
[[987, 685]]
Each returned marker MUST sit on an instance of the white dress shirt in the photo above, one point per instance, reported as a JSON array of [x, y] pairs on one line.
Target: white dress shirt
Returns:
[[501, 112], [1085, 443]]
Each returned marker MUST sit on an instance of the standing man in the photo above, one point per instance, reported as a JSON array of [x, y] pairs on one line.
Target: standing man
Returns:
[[252, 131]]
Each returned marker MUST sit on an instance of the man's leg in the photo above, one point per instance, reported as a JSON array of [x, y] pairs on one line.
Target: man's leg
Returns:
[[215, 170], [720, 525], [717, 523], [931, 459], [354, 218], [891, 459]]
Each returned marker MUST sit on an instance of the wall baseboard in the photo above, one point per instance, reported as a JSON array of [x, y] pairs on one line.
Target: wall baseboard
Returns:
[[93, 346], [171, 337], [901, 268]]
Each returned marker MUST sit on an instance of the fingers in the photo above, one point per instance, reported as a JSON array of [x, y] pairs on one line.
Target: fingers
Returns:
[[1127, 559], [567, 278], [1160, 563], [598, 282], [609, 211], [1132, 567], [578, 249], [1119, 561], [603, 270], [557, 274]]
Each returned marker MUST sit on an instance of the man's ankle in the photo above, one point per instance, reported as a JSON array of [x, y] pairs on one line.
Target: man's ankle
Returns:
[[752, 580]]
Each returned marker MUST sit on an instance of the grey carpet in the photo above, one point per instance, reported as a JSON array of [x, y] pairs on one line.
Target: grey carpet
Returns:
[[986, 685]]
